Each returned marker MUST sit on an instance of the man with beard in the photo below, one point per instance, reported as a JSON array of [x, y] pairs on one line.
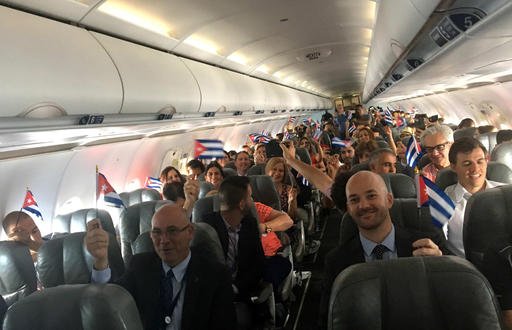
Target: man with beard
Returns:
[[368, 203], [239, 236]]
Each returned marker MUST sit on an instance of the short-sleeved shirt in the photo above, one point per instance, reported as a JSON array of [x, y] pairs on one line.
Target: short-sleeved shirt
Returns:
[[430, 172], [270, 242]]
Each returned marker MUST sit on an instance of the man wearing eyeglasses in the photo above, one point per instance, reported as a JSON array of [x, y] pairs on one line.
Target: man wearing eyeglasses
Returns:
[[174, 287], [436, 141]]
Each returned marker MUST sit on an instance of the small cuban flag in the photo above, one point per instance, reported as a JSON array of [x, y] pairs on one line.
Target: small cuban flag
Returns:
[[292, 120], [352, 128], [412, 152], [110, 196], [153, 183], [259, 138], [207, 149], [388, 117], [421, 191], [317, 134], [288, 135], [339, 143], [30, 206], [441, 206]]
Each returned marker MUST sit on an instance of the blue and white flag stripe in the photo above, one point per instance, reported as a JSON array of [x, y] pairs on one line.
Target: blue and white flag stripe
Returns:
[[153, 183], [441, 206], [388, 117], [339, 143], [412, 154]]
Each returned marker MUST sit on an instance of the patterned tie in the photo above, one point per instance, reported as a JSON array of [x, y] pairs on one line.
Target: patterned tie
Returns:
[[378, 251], [167, 295], [232, 248]]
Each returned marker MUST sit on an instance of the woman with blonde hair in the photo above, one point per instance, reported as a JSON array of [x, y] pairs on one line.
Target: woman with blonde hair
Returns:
[[277, 169]]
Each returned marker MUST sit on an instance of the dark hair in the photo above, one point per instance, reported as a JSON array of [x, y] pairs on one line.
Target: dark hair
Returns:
[[12, 218], [196, 163], [173, 190], [233, 190], [375, 155], [214, 164], [338, 189], [464, 145], [165, 172], [466, 122], [503, 135], [365, 146]]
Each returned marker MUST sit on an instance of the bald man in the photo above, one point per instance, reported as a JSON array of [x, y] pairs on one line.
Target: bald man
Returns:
[[20, 227], [174, 287], [368, 203]]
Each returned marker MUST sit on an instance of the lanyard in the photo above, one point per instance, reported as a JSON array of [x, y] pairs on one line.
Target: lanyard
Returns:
[[174, 302]]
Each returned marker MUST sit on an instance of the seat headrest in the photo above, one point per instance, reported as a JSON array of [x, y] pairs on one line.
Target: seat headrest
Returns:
[[424, 161], [303, 155], [204, 206], [204, 188], [413, 293], [401, 185], [503, 153], [264, 191], [486, 226], [140, 195], [258, 169], [77, 221], [18, 276], [467, 132], [135, 220], [65, 260], [446, 177], [76, 307], [497, 171]]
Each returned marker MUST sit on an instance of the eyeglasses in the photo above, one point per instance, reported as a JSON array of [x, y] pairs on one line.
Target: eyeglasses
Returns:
[[438, 148], [169, 232]]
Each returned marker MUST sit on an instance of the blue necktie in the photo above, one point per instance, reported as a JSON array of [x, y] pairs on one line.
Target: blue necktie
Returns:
[[167, 296], [378, 251]]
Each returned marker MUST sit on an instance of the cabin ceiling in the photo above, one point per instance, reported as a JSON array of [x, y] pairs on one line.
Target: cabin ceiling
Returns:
[[323, 47]]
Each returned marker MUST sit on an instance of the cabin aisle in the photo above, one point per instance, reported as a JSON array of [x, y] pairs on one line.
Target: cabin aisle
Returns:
[[304, 312]]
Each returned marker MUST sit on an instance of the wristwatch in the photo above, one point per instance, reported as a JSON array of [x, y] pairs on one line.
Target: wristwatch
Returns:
[[268, 229]]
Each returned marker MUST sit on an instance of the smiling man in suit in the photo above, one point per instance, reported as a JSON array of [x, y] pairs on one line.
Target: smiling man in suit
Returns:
[[174, 287]]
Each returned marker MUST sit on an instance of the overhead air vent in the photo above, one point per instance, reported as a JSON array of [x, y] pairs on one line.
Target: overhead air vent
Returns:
[[396, 76], [413, 63], [314, 55]]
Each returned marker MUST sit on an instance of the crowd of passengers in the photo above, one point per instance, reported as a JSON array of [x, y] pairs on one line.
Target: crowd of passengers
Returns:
[[190, 291]]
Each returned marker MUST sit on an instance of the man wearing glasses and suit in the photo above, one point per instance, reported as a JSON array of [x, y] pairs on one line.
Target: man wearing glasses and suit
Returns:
[[174, 287]]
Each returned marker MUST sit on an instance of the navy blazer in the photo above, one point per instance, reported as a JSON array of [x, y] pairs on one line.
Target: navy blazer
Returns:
[[208, 301], [250, 257]]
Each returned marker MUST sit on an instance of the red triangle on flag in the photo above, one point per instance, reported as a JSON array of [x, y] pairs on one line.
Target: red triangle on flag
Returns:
[[198, 149]]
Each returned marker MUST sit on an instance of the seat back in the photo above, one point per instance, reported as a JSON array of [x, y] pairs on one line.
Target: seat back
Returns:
[[228, 171], [204, 206], [135, 220], [488, 140], [139, 196], [204, 188], [258, 169], [413, 293], [487, 222], [17, 273], [424, 161], [77, 221], [446, 177], [76, 307], [205, 241], [264, 191], [3, 309], [65, 260], [467, 132], [400, 185], [503, 153]]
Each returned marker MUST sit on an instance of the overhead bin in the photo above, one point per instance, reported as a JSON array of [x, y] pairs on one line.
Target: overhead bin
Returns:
[[152, 80], [44, 61]]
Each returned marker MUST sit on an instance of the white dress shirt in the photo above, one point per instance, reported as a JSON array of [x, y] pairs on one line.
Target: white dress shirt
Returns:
[[459, 195]]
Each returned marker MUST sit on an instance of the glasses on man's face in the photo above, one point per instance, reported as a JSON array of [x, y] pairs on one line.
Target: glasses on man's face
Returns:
[[438, 148], [169, 232]]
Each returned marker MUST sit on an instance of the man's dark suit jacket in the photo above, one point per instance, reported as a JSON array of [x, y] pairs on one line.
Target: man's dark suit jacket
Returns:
[[250, 257], [208, 301], [351, 253]]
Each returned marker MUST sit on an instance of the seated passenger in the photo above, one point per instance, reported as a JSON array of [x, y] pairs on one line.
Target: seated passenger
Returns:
[[468, 158], [363, 151], [173, 287], [382, 161], [466, 122], [272, 222], [173, 191], [224, 160], [238, 233], [347, 155], [436, 141], [277, 169], [503, 136], [171, 174], [183, 195], [368, 203], [195, 167], [260, 154], [20, 227], [214, 175], [242, 163]]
